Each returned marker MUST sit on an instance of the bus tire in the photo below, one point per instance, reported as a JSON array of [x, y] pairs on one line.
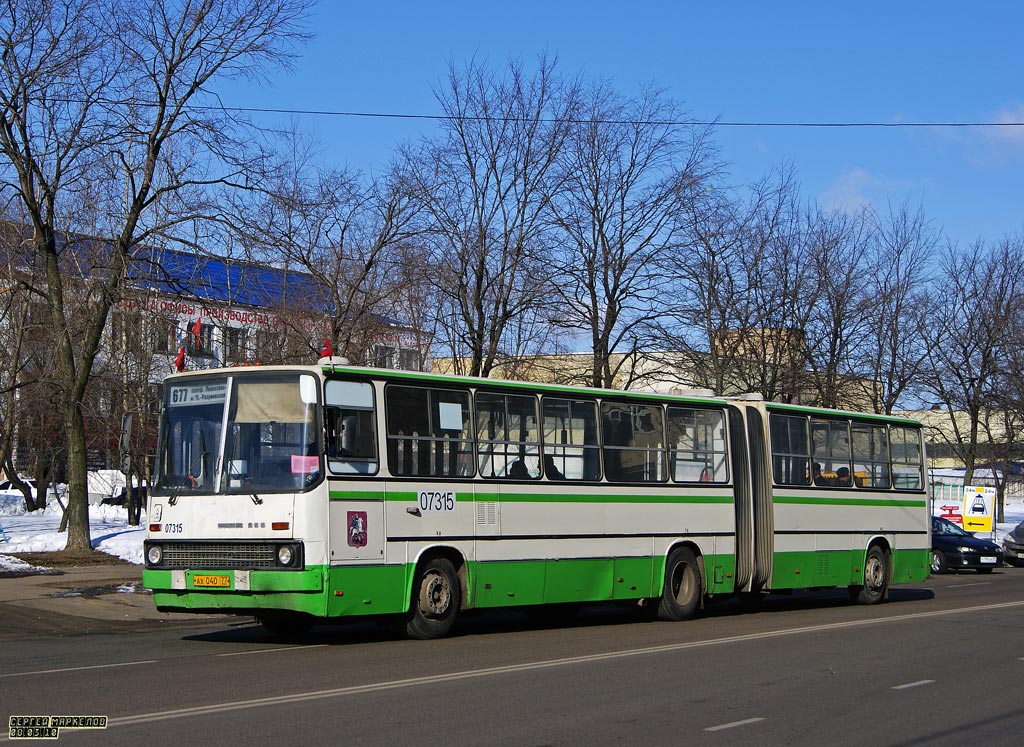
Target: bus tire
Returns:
[[286, 626], [875, 588], [682, 591], [436, 599]]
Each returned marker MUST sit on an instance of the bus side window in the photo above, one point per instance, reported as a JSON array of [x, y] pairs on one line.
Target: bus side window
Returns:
[[349, 422]]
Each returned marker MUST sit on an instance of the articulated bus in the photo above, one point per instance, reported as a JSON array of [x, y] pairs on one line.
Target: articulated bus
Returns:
[[323, 493]]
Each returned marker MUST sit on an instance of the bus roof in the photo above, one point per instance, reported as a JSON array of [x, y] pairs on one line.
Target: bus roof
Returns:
[[392, 374]]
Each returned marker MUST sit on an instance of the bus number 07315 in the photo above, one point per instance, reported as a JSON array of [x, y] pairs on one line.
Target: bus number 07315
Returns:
[[436, 500]]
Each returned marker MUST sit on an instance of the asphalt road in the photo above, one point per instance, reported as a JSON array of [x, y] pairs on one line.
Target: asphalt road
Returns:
[[936, 665]]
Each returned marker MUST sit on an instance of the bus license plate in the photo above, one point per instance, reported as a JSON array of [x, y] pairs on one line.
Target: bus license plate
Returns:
[[209, 581], [988, 559]]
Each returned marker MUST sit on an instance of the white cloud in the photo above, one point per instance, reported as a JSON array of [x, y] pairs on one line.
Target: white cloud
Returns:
[[1012, 134], [859, 187], [850, 191]]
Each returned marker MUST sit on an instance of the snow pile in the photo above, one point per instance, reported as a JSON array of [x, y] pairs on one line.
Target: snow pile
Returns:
[[36, 531]]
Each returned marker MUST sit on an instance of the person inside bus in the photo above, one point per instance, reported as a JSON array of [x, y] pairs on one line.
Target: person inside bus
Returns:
[[843, 477], [550, 470], [518, 471], [819, 479]]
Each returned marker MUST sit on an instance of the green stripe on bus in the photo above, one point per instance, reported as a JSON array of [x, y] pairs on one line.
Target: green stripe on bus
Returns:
[[599, 498], [801, 500], [503, 497]]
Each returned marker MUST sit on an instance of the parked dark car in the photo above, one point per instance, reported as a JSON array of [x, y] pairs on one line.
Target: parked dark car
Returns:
[[119, 497], [953, 549], [1013, 546]]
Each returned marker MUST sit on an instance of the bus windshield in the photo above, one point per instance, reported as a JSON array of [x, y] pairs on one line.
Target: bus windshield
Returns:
[[250, 434]]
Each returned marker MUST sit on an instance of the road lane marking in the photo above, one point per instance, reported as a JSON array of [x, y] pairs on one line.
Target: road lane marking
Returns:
[[78, 669], [912, 684], [967, 586], [273, 650], [240, 705], [734, 724]]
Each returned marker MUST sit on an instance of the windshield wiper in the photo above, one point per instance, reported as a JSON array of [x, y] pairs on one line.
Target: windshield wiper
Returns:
[[191, 481], [233, 471]]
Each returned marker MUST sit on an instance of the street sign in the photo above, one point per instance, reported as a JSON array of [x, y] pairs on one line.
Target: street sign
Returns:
[[978, 509]]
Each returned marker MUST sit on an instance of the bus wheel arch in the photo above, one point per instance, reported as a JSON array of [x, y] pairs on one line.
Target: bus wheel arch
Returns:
[[874, 587], [682, 593], [437, 595]]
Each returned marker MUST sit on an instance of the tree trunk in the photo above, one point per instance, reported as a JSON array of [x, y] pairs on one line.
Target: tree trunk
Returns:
[[78, 492]]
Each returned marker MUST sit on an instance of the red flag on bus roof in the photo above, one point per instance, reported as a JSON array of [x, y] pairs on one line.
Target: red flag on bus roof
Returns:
[[179, 360], [195, 331], [326, 351]]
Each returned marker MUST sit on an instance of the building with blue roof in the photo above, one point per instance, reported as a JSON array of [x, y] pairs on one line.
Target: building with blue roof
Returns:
[[180, 309]]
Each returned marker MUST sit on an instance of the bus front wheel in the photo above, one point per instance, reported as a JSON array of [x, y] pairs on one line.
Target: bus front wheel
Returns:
[[435, 601], [681, 595], [876, 578]]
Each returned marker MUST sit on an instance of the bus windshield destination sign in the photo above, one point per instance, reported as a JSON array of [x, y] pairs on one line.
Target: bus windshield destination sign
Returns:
[[197, 394]]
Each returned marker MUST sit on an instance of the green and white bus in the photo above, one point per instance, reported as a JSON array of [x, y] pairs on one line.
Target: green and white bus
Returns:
[[322, 493]]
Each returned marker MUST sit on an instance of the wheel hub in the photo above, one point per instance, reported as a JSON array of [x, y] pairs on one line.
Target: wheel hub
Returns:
[[874, 574], [435, 595]]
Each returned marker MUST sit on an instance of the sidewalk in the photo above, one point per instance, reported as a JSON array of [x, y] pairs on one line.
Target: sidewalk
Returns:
[[97, 592]]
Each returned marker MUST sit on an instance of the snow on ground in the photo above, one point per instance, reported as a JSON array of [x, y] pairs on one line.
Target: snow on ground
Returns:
[[37, 531]]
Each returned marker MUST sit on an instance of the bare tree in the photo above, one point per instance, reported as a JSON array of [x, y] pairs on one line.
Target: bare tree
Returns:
[[745, 289], [627, 167], [485, 184], [899, 283], [97, 103], [350, 234], [836, 243], [710, 290], [13, 323], [1006, 401], [982, 292]]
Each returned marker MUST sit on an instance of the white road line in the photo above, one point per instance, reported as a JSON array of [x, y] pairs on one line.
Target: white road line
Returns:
[[240, 705], [78, 669], [967, 586], [912, 684], [734, 724], [273, 650]]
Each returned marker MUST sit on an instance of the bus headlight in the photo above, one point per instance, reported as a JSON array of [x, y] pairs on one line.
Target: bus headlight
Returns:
[[285, 555], [154, 554]]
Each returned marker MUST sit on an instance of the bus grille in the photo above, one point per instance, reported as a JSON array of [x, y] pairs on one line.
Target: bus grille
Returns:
[[219, 555]]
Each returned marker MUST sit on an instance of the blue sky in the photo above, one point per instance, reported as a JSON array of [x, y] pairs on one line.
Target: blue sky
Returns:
[[893, 62]]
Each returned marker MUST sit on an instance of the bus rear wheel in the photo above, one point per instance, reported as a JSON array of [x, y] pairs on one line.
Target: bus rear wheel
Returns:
[[681, 595], [876, 578], [436, 599]]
